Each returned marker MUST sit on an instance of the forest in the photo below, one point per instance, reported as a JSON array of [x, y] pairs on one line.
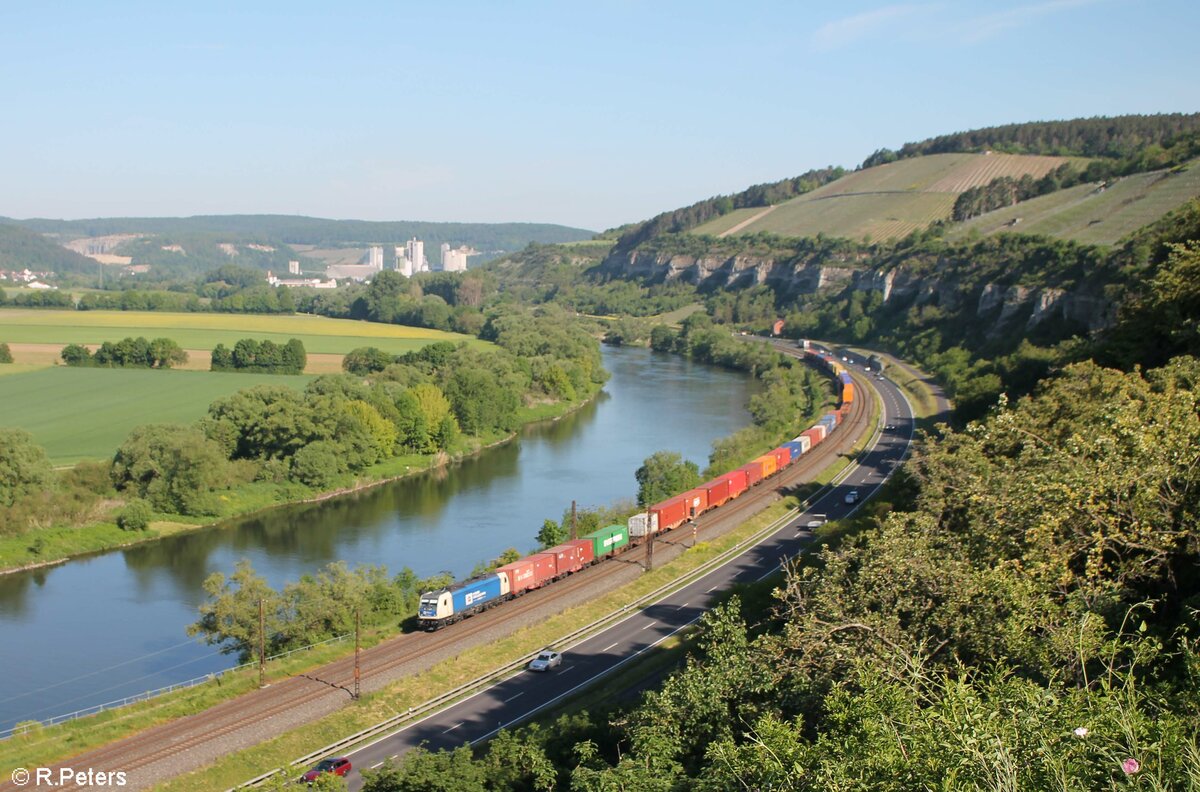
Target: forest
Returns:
[[1114, 138]]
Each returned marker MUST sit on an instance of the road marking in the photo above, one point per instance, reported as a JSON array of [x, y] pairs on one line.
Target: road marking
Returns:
[[377, 764], [565, 670], [651, 624], [711, 589], [684, 605], [610, 646], [522, 693], [452, 728]]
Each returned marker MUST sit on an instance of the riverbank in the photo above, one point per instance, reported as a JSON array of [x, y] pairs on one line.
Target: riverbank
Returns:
[[45, 547]]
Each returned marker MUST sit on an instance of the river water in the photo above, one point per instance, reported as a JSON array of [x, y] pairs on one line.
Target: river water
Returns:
[[98, 629]]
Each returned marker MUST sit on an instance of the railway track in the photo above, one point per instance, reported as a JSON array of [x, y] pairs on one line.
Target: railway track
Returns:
[[191, 742]]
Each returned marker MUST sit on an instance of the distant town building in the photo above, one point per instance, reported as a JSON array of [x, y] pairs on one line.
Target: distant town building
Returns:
[[455, 260], [293, 268], [414, 251], [375, 257], [291, 283], [403, 265]]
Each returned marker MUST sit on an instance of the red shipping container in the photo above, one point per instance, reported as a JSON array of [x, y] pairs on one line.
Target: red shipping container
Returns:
[[718, 491], [754, 473], [670, 512], [783, 457], [529, 573], [570, 556], [696, 502], [738, 482], [814, 435]]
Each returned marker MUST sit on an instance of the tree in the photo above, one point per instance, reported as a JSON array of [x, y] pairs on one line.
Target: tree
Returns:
[[551, 534], [230, 617], [76, 355], [421, 770], [24, 467], [222, 358], [167, 353], [176, 468], [319, 464], [366, 360], [664, 474], [5, 354], [432, 403]]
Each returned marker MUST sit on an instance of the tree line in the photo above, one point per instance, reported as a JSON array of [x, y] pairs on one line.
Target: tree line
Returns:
[[127, 353], [1113, 138], [264, 357]]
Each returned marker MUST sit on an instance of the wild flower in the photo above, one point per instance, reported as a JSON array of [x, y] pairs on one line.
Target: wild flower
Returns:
[[1082, 731], [1131, 766]]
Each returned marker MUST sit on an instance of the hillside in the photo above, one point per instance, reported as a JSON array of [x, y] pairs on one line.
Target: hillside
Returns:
[[1091, 213], [295, 229], [886, 201], [21, 248]]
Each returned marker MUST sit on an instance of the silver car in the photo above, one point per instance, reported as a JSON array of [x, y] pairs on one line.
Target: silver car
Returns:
[[545, 661]]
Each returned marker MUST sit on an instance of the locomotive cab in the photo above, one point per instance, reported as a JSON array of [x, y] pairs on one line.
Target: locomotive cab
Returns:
[[435, 606]]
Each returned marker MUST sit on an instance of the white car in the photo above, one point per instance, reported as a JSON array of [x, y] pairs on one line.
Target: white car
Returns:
[[852, 496], [545, 661]]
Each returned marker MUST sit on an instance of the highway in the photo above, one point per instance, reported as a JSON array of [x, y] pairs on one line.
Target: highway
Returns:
[[518, 698]]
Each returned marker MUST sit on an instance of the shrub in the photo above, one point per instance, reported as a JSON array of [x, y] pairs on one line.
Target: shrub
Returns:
[[136, 516]]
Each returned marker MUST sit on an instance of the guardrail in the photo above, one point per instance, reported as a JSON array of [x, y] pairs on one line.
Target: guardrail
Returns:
[[566, 641]]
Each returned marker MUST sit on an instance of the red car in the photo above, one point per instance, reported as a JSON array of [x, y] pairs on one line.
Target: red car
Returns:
[[338, 765]]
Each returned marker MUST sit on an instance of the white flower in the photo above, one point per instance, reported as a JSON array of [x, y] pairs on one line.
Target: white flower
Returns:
[[1081, 731]]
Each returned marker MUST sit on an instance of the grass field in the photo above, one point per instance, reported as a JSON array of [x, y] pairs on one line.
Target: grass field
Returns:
[[80, 414], [204, 331], [1085, 214], [886, 201]]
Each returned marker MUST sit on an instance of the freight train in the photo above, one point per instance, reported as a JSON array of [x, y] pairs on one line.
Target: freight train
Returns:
[[460, 600]]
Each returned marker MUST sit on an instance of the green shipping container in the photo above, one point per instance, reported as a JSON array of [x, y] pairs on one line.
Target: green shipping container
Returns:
[[608, 540]]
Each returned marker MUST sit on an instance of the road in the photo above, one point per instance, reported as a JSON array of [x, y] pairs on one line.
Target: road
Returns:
[[519, 697]]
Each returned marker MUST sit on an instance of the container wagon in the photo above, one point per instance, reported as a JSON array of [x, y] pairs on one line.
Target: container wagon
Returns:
[[643, 524], [753, 471], [608, 540], [738, 482], [717, 490], [770, 466], [529, 573], [570, 557]]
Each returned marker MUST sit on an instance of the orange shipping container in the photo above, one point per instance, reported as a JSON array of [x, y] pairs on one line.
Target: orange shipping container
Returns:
[[770, 465], [848, 393]]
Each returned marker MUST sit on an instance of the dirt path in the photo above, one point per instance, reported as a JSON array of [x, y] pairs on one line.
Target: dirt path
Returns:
[[747, 222]]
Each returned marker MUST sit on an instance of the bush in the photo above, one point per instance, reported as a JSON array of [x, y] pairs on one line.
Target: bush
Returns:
[[136, 516], [5, 354]]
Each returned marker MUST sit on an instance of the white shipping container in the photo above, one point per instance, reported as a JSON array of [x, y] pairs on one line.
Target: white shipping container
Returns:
[[805, 444], [639, 522]]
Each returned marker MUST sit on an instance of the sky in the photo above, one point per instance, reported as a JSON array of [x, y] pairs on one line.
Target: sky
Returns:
[[588, 114]]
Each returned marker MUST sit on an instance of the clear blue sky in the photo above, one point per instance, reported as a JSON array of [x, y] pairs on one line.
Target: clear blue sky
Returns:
[[587, 114]]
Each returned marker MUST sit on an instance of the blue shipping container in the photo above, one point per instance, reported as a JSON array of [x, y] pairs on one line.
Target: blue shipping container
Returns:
[[795, 448], [473, 593], [845, 378]]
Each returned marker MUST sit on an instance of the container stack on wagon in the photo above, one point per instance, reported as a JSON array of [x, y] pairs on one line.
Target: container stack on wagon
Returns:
[[455, 602]]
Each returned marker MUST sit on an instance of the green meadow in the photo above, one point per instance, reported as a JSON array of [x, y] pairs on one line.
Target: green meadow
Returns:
[[85, 413], [204, 330]]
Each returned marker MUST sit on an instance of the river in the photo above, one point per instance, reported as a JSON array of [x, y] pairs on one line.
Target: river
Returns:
[[97, 629]]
